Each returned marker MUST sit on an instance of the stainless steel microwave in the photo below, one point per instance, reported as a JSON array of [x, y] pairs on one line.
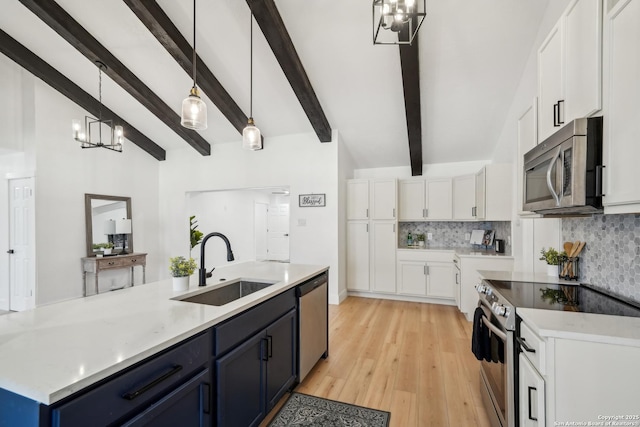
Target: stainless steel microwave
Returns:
[[563, 174]]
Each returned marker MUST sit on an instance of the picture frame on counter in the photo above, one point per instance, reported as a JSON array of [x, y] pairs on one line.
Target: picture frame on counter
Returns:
[[312, 200]]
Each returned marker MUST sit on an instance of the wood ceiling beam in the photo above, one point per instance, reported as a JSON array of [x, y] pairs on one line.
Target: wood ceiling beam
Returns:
[[160, 25], [411, 85], [45, 72], [270, 22], [70, 30]]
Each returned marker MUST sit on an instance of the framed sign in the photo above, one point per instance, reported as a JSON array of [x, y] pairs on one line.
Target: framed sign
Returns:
[[311, 200]]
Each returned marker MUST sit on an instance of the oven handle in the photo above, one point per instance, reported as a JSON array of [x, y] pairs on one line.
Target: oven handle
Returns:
[[555, 195], [493, 329]]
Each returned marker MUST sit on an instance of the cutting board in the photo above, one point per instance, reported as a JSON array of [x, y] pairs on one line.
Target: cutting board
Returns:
[[476, 237]]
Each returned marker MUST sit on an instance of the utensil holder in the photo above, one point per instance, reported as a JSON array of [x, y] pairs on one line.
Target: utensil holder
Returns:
[[569, 268]]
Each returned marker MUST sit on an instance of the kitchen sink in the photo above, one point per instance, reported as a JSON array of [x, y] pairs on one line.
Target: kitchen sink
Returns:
[[227, 293]]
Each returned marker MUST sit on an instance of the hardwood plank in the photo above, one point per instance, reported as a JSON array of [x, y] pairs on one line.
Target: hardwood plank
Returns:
[[411, 359]]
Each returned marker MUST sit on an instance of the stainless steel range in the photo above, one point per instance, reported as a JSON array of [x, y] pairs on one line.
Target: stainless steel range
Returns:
[[497, 319]]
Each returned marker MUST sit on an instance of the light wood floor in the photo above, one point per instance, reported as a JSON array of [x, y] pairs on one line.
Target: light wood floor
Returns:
[[411, 359]]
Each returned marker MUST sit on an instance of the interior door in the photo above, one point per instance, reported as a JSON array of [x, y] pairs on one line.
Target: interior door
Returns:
[[278, 232], [22, 244]]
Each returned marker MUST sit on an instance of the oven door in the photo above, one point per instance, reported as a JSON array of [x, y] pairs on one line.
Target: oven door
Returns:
[[496, 375]]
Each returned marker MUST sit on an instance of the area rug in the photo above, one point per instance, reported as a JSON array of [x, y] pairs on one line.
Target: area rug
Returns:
[[304, 410]]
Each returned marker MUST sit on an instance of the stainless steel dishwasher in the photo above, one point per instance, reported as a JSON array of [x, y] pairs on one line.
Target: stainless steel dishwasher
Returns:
[[313, 326]]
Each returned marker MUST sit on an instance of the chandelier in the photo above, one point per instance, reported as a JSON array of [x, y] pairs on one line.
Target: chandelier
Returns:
[[84, 136], [399, 20]]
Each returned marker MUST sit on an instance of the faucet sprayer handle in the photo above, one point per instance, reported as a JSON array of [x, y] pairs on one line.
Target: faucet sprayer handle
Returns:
[[209, 274]]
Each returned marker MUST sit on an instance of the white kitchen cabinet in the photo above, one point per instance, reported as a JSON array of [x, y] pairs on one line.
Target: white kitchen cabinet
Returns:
[[469, 277], [438, 199], [358, 199], [586, 375], [464, 197], [358, 255], [426, 273], [425, 200], [383, 256], [383, 198], [550, 92], [532, 396], [411, 200], [496, 204], [569, 67], [621, 123], [412, 278], [439, 283], [527, 139]]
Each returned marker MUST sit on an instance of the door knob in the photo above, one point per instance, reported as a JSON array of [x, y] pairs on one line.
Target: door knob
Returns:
[[10, 251]]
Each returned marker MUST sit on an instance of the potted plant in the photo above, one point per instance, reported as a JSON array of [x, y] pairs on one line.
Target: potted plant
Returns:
[[552, 257], [195, 235], [104, 247], [420, 238], [181, 268]]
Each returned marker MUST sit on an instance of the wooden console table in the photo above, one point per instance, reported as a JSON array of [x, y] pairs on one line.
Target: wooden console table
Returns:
[[97, 264]]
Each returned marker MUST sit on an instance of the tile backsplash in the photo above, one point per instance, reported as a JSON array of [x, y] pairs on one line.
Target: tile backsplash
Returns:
[[452, 234], [611, 256]]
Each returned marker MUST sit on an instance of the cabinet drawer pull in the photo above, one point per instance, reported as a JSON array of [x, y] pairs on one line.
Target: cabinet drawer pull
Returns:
[[560, 122], [529, 389], [555, 115], [264, 352], [133, 394], [524, 345], [133, 260], [111, 262], [270, 345]]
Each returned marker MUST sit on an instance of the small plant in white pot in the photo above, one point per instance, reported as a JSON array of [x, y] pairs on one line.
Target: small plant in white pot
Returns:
[[552, 258], [181, 268]]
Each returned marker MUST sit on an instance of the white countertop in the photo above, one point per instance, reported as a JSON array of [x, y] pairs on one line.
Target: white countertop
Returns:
[[51, 352], [619, 330], [460, 251]]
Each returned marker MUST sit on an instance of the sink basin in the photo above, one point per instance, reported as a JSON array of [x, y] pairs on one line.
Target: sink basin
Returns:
[[227, 293]]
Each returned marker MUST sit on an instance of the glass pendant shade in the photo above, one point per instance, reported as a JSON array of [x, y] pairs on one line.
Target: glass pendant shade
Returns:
[[194, 111], [251, 138]]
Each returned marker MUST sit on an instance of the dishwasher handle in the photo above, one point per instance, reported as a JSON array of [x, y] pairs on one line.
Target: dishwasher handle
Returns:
[[311, 284]]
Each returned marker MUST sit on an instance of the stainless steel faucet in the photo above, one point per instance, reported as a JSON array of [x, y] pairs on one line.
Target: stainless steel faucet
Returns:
[[203, 271]]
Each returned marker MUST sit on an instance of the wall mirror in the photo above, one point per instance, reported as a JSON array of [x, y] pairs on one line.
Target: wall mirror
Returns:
[[101, 214]]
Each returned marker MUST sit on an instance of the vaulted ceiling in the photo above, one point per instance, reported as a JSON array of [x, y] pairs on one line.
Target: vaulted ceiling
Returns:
[[471, 57]]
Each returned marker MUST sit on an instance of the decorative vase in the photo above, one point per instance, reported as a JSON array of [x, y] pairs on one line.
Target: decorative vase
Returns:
[[181, 283], [552, 270], [106, 251]]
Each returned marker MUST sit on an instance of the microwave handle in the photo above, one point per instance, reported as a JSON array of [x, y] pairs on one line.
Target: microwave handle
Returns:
[[555, 195]]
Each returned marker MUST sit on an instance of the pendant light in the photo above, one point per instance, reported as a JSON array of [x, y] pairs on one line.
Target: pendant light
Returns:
[[251, 138], [194, 110], [84, 136]]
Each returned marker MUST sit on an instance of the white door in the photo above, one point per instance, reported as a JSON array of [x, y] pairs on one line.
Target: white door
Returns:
[[260, 231], [412, 278], [439, 278], [439, 200], [358, 199], [383, 199], [550, 90], [22, 244], [383, 256], [411, 201], [464, 197], [278, 232]]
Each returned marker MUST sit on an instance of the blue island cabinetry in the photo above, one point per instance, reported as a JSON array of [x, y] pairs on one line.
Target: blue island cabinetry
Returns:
[[232, 374]]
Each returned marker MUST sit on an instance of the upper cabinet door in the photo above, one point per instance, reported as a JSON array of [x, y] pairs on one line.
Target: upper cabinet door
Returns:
[[464, 197], [621, 121], [481, 194], [439, 199], [358, 199], [383, 199], [550, 90], [411, 200], [583, 58]]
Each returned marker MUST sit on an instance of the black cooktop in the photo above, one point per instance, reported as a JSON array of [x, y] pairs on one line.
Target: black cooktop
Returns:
[[580, 298]]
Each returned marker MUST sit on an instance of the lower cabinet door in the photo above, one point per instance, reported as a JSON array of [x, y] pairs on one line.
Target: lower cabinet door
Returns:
[[187, 405], [440, 283], [281, 348], [412, 278], [532, 395], [240, 384]]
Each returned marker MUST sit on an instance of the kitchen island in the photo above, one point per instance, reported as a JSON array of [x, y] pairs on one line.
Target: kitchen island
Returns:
[[53, 352]]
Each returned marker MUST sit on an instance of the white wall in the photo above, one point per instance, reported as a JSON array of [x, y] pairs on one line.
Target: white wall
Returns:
[[300, 162]]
